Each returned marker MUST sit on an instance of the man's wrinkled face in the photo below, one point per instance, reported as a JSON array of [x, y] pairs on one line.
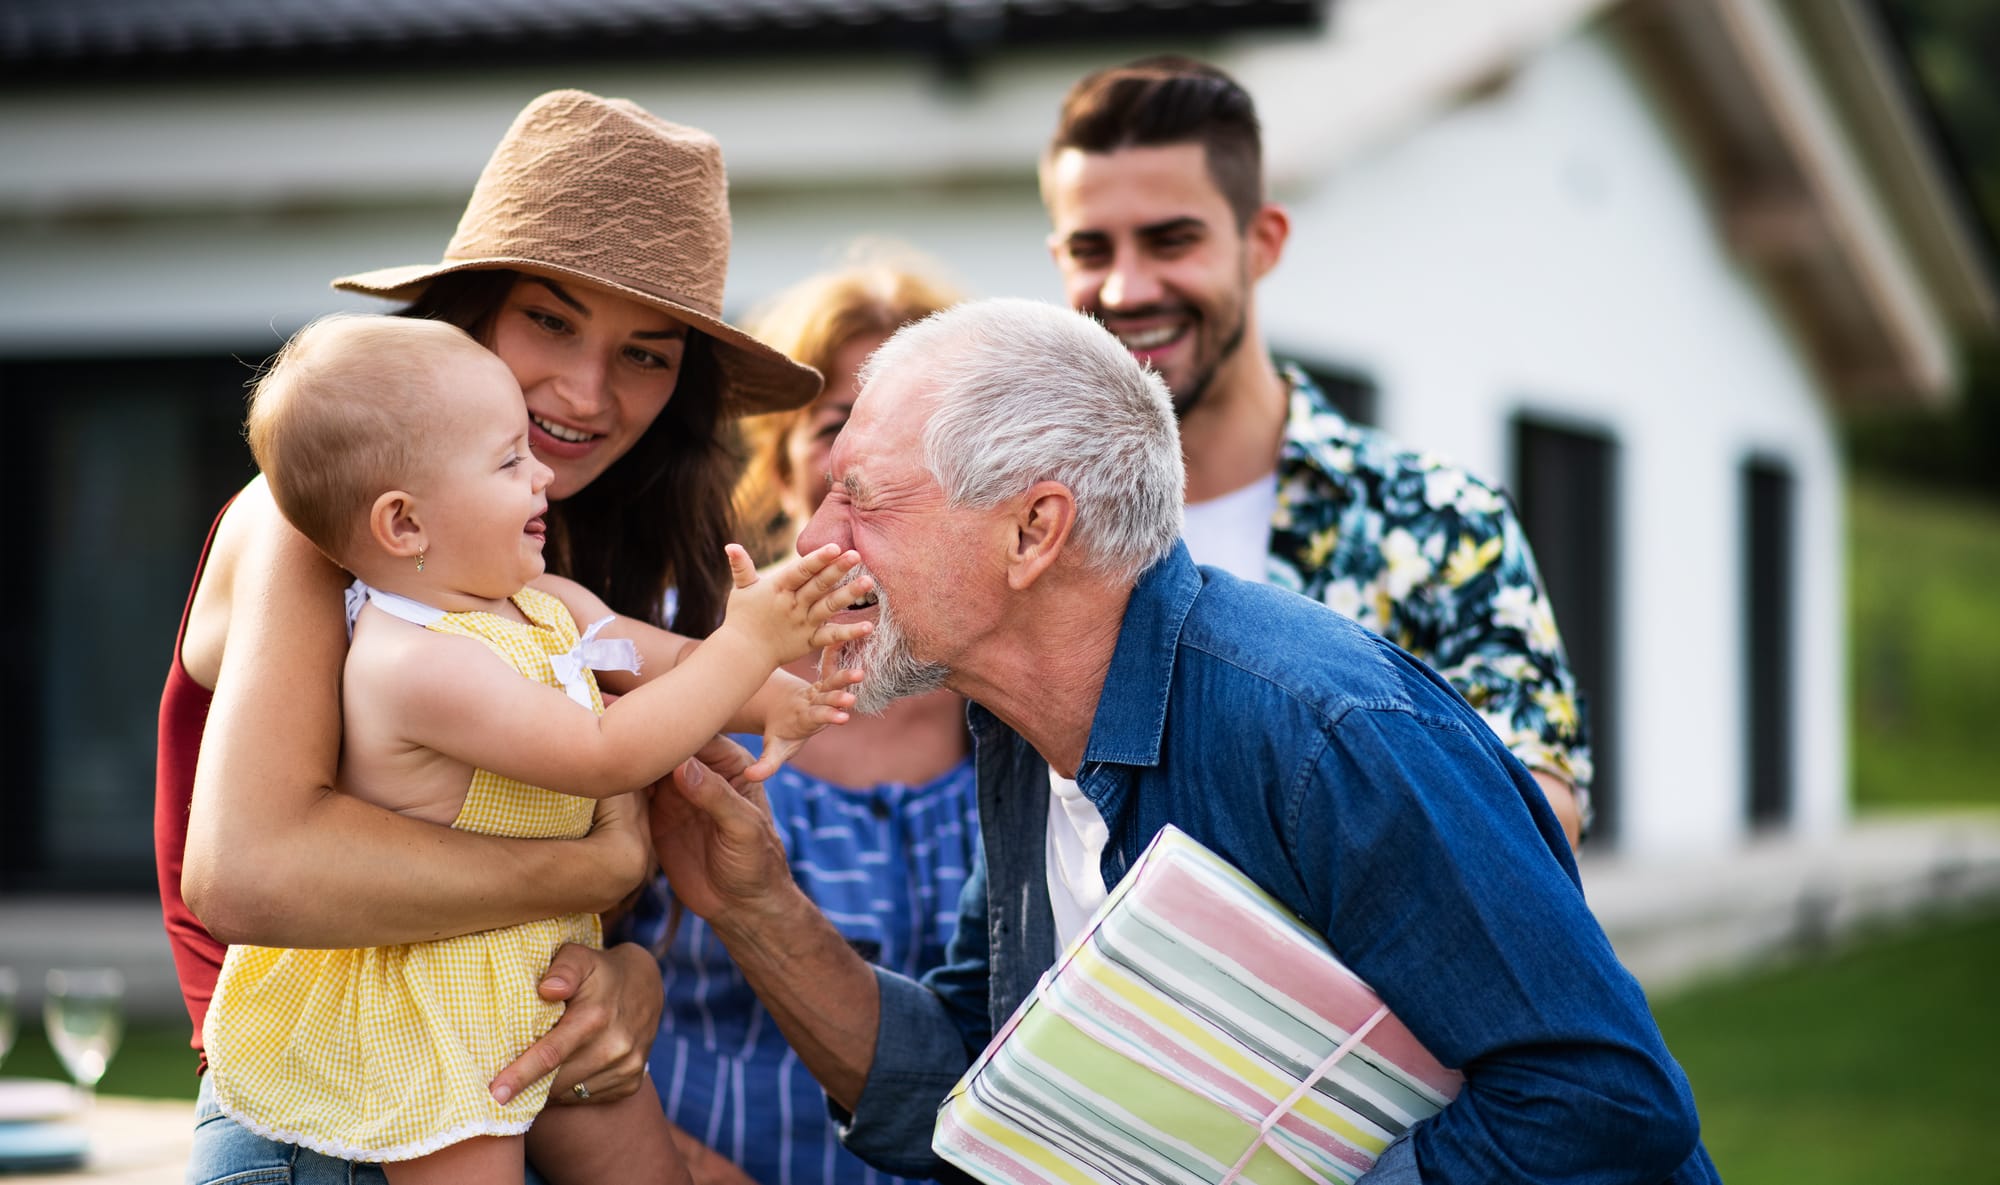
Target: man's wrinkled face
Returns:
[[884, 504]]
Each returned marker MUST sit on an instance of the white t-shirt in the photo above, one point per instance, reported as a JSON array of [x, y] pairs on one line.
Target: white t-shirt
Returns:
[[1233, 532], [1077, 836]]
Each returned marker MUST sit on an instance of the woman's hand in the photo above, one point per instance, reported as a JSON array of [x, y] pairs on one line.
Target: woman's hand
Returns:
[[605, 1033]]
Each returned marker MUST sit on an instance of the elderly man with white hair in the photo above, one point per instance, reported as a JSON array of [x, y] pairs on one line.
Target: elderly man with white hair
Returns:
[[1012, 480]]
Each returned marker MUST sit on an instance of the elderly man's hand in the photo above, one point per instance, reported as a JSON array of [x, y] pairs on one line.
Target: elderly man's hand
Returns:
[[713, 835]]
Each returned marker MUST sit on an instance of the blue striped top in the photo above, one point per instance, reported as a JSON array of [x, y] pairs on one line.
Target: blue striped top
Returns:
[[886, 864]]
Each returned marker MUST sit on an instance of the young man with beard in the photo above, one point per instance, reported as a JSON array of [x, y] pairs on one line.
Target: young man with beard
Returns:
[[1012, 481], [1154, 183]]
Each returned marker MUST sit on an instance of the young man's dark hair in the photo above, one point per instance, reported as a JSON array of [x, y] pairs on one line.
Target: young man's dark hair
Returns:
[[1171, 100]]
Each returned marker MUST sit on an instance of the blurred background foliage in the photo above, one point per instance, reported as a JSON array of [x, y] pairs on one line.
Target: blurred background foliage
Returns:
[[1851, 1078], [1924, 496], [1954, 50]]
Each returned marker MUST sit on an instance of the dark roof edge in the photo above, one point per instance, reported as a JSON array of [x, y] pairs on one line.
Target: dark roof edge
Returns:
[[956, 37]]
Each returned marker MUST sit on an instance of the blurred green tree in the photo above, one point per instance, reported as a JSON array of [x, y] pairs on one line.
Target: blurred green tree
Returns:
[[1953, 50]]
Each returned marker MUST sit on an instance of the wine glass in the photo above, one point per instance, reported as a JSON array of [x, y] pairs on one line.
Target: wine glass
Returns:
[[10, 986], [84, 1016]]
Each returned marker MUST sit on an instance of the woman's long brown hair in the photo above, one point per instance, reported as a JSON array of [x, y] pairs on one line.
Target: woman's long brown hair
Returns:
[[658, 517]]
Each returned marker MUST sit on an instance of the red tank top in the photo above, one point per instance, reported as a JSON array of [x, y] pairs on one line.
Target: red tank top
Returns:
[[183, 712]]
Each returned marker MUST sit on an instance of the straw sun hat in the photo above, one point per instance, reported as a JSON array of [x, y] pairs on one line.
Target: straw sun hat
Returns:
[[601, 191]]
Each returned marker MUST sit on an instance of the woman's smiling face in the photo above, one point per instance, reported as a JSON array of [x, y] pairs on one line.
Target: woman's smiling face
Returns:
[[596, 369]]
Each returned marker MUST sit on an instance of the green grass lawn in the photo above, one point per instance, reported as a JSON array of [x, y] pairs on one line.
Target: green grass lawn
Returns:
[[1924, 614], [1873, 1064], [153, 1061]]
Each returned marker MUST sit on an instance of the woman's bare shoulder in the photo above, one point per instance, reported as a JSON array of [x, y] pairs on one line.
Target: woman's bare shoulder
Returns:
[[256, 552], [208, 614]]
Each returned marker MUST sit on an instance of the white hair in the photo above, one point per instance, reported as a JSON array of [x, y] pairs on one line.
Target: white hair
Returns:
[[1024, 392]]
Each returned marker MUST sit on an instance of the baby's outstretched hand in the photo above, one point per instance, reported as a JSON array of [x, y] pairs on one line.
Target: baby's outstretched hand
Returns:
[[815, 706], [791, 611]]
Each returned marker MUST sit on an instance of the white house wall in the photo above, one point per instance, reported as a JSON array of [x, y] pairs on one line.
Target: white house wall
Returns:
[[196, 215], [1546, 250]]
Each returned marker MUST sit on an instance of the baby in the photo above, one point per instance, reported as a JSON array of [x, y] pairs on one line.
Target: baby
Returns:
[[400, 447]]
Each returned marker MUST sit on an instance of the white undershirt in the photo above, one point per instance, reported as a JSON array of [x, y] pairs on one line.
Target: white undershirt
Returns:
[[1077, 836], [1233, 532]]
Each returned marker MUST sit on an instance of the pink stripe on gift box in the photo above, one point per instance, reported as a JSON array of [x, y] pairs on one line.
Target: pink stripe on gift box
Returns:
[[1191, 905]]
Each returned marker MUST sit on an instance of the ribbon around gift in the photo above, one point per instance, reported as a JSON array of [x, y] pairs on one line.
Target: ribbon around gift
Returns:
[[1291, 1100], [595, 653]]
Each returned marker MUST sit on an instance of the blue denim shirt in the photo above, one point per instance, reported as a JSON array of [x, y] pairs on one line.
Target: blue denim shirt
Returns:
[[1353, 784]]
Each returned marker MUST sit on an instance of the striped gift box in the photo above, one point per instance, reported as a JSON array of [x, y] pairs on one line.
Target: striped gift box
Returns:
[[1195, 1033]]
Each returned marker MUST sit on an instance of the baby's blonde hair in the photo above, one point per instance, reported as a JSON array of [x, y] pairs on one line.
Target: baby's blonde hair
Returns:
[[343, 414]]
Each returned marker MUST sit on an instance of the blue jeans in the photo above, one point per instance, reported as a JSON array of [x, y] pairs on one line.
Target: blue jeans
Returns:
[[227, 1153]]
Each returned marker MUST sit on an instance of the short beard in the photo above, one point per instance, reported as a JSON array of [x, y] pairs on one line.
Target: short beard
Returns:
[[1185, 402], [889, 671]]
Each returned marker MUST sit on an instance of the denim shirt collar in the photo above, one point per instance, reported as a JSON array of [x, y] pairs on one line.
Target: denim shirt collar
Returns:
[[1131, 718]]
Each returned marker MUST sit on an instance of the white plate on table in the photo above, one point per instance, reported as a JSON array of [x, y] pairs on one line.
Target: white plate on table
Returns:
[[41, 1125], [26, 1099]]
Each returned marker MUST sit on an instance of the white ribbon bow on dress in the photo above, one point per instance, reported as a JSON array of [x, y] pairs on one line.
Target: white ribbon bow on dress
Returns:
[[356, 596], [590, 651], [594, 653]]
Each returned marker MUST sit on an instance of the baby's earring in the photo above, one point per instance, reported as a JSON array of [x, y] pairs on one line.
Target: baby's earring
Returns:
[[420, 561]]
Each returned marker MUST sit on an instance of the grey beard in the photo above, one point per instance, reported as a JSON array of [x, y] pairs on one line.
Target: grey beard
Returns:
[[889, 671]]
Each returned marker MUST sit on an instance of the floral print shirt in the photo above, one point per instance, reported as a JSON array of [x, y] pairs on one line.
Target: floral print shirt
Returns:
[[1432, 558]]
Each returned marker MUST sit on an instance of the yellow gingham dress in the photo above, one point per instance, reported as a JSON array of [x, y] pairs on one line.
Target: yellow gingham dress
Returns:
[[385, 1053]]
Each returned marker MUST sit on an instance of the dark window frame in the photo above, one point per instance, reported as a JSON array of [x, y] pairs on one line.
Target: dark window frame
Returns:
[[56, 398], [1768, 501], [1576, 545]]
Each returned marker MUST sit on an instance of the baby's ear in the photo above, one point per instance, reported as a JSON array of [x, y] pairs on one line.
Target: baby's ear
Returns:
[[394, 526]]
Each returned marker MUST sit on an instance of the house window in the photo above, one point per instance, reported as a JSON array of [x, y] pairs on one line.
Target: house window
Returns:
[[1769, 492], [132, 460], [1566, 490]]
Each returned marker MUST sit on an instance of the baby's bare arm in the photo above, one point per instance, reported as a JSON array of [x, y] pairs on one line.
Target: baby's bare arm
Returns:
[[453, 703], [464, 703]]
